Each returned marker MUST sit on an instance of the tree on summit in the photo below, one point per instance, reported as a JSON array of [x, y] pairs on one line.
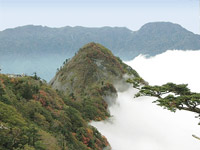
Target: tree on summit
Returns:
[[35, 76]]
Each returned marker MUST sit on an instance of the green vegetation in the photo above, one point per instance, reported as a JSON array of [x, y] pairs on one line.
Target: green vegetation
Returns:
[[33, 116], [172, 96], [38, 116], [88, 78]]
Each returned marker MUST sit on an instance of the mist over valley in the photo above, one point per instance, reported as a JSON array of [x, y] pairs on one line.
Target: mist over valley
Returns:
[[137, 123]]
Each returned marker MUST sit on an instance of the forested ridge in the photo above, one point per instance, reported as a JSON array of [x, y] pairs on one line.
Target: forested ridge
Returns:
[[34, 116]]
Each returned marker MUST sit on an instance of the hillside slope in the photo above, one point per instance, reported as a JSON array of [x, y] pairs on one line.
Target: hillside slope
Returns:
[[89, 77], [33, 116], [37, 116]]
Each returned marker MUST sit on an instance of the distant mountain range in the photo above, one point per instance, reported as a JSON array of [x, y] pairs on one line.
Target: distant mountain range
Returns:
[[36, 48]]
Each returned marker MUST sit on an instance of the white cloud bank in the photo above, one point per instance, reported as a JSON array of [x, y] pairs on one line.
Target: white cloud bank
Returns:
[[172, 66], [138, 124]]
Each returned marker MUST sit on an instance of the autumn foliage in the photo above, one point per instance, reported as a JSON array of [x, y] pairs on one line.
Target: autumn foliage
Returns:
[[31, 112]]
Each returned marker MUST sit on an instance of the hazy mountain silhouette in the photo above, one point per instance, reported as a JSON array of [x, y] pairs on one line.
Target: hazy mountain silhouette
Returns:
[[36, 48]]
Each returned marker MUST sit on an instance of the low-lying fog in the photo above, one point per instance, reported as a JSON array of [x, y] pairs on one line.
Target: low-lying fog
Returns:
[[139, 124]]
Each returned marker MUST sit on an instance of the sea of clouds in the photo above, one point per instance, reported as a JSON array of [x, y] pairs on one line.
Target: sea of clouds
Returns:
[[139, 124], [172, 66]]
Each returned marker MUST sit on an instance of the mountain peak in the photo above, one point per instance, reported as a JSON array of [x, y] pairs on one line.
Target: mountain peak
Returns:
[[90, 75], [93, 63], [96, 49], [91, 44], [162, 27]]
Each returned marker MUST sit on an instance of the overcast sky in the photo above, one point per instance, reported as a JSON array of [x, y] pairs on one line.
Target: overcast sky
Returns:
[[97, 13]]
